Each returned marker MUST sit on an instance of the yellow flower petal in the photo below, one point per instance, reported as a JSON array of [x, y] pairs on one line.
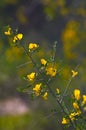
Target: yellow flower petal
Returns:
[[77, 94], [74, 73], [45, 96]]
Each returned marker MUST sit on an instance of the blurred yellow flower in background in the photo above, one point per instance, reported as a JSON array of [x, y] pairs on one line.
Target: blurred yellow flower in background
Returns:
[[14, 54], [71, 39], [66, 72]]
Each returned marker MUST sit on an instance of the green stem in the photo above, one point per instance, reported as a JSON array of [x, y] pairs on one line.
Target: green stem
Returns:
[[67, 87], [68, 84]]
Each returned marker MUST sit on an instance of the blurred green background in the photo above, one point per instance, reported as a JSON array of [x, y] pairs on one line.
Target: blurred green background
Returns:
[[42, 22]]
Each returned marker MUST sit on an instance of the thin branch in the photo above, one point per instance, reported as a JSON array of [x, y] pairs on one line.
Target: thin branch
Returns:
[[19, 66], [68, 84], [53, 94]]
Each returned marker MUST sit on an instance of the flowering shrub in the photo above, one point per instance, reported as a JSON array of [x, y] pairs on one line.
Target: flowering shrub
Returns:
[[40, 79]]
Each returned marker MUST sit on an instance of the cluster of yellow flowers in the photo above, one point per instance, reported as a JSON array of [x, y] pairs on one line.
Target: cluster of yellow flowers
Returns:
[[15, 37], [48, 70], [38, 87], [79, 106]]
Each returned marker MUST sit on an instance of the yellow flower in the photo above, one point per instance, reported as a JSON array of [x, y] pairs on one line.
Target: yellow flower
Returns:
[[19, 36], [74, 73], [75, 105], [64, 121], [84, 99], [33, 46], [31, 76], [15, 39], [72, 116], [43, 62], [77, 94], [57, 90], [51, 71], [37, 89], [8, 32], [45, 96]]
